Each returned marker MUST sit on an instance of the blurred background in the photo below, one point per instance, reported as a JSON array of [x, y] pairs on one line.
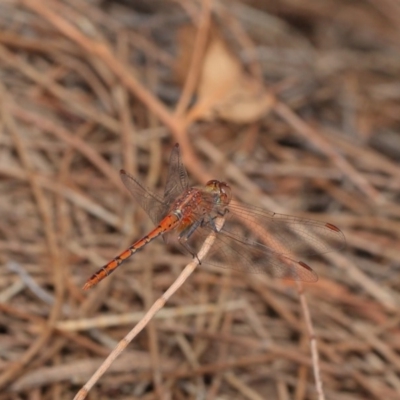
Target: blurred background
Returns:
[[296, 104]]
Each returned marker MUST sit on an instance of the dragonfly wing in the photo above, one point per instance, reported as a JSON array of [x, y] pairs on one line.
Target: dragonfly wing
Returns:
[[283, 234], [177, 180], [151, 203], [267, 242], [232, 253]]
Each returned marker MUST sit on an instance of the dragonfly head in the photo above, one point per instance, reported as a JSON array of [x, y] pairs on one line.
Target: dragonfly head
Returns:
[[221, 190]]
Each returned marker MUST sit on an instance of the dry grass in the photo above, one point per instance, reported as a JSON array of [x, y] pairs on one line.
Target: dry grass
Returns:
[[295, 104]]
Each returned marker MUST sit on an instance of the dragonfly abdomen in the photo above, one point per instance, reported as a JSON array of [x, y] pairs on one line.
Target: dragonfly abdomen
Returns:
[[168, 223]]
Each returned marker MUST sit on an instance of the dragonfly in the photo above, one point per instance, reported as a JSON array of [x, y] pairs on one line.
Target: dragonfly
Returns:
[[251, 239]]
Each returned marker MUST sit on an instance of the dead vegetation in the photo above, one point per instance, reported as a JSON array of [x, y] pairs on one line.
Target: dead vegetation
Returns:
[[295, 104]]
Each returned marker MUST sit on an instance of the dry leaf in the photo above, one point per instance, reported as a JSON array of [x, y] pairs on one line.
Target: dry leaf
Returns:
[[185, 39], [225, 90]]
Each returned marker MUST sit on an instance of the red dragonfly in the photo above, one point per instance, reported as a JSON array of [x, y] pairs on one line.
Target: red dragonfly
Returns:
[[266, 243]]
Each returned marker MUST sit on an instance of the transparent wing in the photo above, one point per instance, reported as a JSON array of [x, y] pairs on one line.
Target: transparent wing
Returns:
[[285, 234], [177, 183], [177, 180], [266, 243], [151, 203]]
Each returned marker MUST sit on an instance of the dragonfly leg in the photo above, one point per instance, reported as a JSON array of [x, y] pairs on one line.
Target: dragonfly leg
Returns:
[[188, 232], [223, 213], [185, 236], [211, 220]]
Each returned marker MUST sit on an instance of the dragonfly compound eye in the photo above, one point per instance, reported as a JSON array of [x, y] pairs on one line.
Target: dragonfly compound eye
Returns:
[[213, 183], [226, 192]]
